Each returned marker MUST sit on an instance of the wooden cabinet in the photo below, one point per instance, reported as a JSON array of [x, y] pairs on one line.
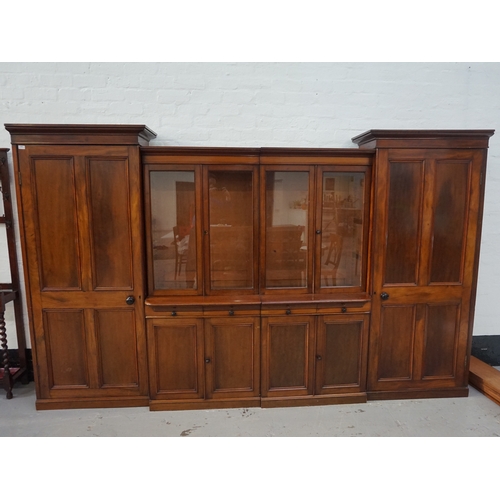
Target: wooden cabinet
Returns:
[[312, 354], [221, 277], [205, 359], [80, 211], [429, 190]]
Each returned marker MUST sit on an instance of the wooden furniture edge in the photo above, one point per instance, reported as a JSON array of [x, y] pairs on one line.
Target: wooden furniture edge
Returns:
[[205, 404], [76, 404], [285, 402], [485, 379], [453, 392]]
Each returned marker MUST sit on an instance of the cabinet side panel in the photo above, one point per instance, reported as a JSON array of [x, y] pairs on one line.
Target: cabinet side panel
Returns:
[[67, 359], [116, 338], [110, 213], [56, 211]]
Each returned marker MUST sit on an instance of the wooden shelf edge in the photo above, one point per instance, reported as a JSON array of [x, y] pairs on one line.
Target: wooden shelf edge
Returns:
[[485, 379], [203, 404]]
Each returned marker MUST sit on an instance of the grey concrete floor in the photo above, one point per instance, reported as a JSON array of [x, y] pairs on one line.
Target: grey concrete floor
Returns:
[[475, 415]]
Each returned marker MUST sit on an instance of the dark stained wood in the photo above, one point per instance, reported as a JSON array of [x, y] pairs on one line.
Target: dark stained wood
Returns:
[[403, 222], [25, 134], [408, 258], [450, 220], [67, 362], [441, 340], [176, 359], [341, 353], [288, 356], [117, 344], [425, 139], [111, 243], [54, 192], [426, 347], [232, 348], [81, 200], [485, 379]]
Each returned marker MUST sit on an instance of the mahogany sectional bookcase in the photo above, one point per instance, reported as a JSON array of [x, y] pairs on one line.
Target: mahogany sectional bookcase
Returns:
[[185, 278]]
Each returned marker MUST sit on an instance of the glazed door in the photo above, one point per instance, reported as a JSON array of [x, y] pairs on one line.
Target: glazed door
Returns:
[[426, 225], [83, 233], [232, 357]]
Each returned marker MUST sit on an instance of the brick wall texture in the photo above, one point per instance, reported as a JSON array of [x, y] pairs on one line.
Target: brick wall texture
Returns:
[[271, 104]]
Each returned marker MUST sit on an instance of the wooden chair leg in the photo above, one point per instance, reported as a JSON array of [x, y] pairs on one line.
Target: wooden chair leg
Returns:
[[7, 377]]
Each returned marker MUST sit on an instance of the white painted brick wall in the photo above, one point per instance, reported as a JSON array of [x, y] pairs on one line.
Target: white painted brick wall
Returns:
[[272, 104]]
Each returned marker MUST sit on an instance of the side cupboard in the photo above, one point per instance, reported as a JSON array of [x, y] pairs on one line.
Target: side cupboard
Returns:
[[190, 278]]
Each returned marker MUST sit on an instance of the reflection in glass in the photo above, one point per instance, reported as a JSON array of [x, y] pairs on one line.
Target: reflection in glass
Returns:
[[287, 209], [231, 229], [342, 229], [173, 231]]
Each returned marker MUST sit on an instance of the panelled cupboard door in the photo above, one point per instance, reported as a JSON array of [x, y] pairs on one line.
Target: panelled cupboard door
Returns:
[[232, 357], [288, 351], [81, 212], [426, 226], [341, 350], [176, 358]]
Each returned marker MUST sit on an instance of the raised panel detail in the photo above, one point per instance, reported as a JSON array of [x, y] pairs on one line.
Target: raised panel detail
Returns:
[[56, 211], [177, 360], [231, 347], [116, 338], [441, 334], [341, 361], [67, 350], [396, 342], [450, 216], [403, 227], [288, 355], [110, 223]]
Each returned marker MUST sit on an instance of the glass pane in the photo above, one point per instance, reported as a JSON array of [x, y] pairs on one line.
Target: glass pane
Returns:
[[287, 209], [173, 230], [342, 229], [231, 229]]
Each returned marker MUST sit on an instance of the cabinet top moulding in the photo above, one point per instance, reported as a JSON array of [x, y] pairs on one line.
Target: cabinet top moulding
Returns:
[[133, 135], [433, 139]]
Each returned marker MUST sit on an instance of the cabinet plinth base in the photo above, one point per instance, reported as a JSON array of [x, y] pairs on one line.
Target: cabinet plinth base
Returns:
[[204, 404], [76, 404], [454, 392], [352, 398]]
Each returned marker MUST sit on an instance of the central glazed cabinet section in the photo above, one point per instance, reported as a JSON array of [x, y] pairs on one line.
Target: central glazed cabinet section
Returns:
[[257, 276]]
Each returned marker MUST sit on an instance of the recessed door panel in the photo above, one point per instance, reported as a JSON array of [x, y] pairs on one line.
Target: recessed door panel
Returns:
[[117, 344], [110, 223], [395, 355], [56, 208], [288, 356], [403, 222], [176, 355], [441, 340], [66, 348], [450, 219], [232, 357], [341, 354]]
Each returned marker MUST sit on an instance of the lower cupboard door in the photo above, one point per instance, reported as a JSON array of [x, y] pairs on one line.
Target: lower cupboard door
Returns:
[[232, 357], [176, 364], [341, 354], [288, 356]]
